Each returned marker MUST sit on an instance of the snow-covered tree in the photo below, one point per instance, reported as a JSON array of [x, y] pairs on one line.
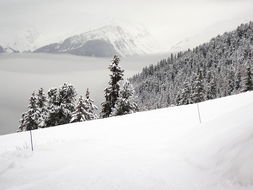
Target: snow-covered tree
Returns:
[[30, 119], [42, 107], [80, 111], [84, 110], [91, 106], [125, 104], [112, 91], [211, 91], [61, 104], [184, 96], [22, 123], [222, 63], [247, 84], [198, 92]]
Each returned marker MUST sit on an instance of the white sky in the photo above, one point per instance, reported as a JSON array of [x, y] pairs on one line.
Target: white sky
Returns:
[[169, 21]]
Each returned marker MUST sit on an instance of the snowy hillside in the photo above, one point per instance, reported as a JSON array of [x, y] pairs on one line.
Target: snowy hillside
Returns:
[[104, 42], [161, 149]]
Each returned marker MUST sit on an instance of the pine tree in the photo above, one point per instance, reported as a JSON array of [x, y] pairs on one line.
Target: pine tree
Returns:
[[106, 105], [238, 80], [211, 91], [90, 106], [30, 119], [80, 111], [84, 110], [198, 92], [42, 106], [125, 104], [112, 91], [247, 80], [61, 105], [22, 123], [52, 108], [184, 96]]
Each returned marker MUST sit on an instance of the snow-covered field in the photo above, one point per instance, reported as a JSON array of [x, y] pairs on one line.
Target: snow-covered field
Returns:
[[21, 74], [166, 149]]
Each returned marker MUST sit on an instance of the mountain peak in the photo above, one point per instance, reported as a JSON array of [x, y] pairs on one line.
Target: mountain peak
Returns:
[[113, 39]]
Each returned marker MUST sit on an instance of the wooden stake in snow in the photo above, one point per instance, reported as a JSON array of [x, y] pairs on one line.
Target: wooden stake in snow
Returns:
[[199, 113], [31, 139]]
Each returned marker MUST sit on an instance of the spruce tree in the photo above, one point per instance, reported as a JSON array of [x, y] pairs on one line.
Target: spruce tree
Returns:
[[198, 92], [184, 96], [42, 107], [238, 80], [61, 105], [30, 119], [52, 108], [112, 91], [125, 104], [247, 84], [211, 91], [84, 110], [80, 111], [90, 106], [22, 123]]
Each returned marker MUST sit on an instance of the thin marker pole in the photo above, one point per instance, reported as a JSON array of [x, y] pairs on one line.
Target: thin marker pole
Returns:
[[199, 113], [31, 139]]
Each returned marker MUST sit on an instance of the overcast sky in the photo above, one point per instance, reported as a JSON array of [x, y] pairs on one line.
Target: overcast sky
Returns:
[[169, 21]]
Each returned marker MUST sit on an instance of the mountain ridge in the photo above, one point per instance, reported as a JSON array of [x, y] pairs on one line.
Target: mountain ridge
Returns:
[[103, 42]]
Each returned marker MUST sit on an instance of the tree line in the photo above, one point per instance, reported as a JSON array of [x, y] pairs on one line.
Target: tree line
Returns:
[[59, 106], [215, 69]]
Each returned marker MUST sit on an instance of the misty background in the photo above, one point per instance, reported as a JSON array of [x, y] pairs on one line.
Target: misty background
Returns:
[[168, 21]]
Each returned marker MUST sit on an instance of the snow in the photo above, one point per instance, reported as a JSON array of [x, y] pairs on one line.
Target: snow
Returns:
[[160, 149]]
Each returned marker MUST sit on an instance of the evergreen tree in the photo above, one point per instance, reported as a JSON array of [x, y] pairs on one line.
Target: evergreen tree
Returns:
[[61, 105], [52, 108], [211, 90], [30, 119], [22, 123], [42, 107], [198, 92], [90, 106], [184, 96], [112, 91], [80, 111], [124, 104], [231, 83], [247, 80], [84, 110], [238, 80]]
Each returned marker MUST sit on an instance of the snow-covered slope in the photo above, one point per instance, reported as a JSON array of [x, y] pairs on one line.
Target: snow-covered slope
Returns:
[[104, 42], [161, 149]]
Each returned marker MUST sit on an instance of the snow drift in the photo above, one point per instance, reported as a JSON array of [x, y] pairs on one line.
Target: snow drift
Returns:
[[161, 149]]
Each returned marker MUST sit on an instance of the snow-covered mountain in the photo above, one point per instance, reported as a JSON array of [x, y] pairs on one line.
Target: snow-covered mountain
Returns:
[[7, 50], [148, 150], [104, 42], [1, 49], [22, 41]]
